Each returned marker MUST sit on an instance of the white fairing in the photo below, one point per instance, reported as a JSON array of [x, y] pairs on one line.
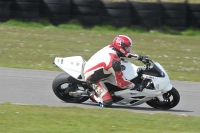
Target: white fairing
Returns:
[[139, 97], [72, 65], [161, 83], [129, 70]]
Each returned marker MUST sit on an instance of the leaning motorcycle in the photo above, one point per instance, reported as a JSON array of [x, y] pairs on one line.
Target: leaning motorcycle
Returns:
[[158, 92]]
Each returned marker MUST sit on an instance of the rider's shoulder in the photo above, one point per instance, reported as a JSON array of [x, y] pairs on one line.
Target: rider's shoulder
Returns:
[[113, 55], [109, 51]]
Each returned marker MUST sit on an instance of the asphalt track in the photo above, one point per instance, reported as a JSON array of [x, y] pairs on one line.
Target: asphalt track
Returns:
[[24, 86]]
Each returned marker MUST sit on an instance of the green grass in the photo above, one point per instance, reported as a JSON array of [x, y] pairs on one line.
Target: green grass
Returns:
[[36, 45], [43, 119]]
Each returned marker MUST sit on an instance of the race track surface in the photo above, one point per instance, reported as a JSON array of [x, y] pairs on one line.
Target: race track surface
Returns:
[[24, 86]]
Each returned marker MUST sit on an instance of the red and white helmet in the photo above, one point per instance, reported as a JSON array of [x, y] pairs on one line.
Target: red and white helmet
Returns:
[[123, 44]]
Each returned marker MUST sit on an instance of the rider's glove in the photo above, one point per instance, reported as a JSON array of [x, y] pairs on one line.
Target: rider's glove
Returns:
[[131, 86], [142, 58]]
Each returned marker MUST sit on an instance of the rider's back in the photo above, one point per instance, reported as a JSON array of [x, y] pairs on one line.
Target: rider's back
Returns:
[[101, 59]]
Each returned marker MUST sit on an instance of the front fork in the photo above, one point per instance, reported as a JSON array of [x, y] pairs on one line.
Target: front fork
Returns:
[[168, 88], [160, 98]]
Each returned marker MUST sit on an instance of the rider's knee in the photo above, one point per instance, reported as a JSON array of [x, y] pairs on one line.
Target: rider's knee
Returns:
[[107, 99], [108, 103]]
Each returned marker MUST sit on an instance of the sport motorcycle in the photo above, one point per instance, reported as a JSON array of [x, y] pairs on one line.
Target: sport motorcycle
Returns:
[[71, 87]]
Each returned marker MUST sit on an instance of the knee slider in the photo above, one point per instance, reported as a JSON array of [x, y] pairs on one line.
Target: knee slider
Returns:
[[108, 103]]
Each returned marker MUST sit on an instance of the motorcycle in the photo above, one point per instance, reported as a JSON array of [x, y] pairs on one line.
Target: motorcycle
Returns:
[[158, 92]]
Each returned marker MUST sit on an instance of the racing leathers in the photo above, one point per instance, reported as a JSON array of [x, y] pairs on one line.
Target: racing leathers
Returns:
[[100, 66]]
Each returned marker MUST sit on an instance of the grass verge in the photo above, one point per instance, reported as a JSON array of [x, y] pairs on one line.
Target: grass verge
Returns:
[[43, 119]]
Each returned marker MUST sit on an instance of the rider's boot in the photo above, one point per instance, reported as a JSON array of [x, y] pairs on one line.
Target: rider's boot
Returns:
[[95, 94], [103, 102], [90, 92]]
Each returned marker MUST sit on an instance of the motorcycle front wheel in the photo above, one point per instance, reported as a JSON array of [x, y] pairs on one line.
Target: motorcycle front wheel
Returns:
[[171, 99], [63, 84]]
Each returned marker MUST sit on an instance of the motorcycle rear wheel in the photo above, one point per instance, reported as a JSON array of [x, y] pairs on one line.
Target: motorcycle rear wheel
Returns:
[[61, 88], [171, 97]]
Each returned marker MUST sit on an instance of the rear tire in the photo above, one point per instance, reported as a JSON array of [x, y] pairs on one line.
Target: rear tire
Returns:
[[171, 97], [63, 93]]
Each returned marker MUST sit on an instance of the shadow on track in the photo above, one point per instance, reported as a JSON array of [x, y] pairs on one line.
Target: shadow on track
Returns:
[[136, 108]]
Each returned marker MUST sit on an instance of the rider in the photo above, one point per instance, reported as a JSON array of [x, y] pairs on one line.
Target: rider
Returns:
[[106, 62]]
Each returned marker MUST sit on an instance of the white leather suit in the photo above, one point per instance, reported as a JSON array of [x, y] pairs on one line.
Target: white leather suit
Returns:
[[100, 66]]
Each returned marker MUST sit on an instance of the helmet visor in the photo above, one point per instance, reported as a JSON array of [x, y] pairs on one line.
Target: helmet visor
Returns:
[[128, 49]]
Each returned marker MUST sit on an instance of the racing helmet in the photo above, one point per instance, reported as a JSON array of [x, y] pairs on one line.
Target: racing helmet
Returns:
[[123, 44]]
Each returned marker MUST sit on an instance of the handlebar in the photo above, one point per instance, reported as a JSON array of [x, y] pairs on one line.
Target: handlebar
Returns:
[[148, 63]]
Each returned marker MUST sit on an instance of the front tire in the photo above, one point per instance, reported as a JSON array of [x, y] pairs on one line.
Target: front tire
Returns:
[[65, 83], [171, 99]]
